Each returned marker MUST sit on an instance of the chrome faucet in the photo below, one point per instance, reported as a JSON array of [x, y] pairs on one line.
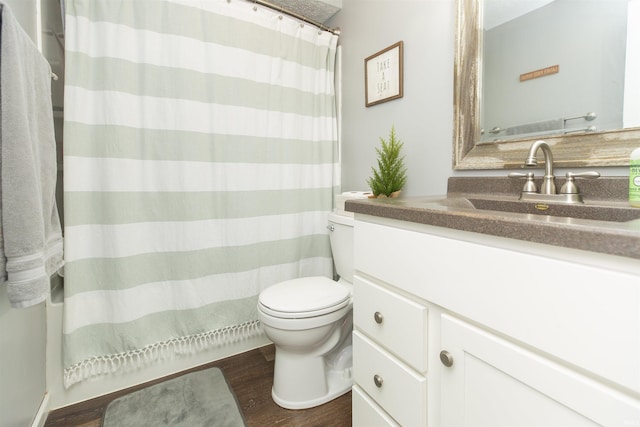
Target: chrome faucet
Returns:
[[569, 193], [548, 182]]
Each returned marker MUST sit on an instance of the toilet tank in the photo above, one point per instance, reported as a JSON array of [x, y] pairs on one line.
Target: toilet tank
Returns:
[[341, 236]]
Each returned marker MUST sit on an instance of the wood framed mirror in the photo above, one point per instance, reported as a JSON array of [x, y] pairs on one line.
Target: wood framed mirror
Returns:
[[588, 149]]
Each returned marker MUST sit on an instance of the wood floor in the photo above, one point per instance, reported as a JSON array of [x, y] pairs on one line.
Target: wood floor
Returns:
[[250, 375]]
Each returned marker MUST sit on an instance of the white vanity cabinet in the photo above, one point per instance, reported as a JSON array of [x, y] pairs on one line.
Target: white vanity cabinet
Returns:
[[533, 334]]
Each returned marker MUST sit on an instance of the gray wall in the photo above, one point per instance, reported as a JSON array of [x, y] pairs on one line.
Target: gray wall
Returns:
[[22, 362], [423, 117]]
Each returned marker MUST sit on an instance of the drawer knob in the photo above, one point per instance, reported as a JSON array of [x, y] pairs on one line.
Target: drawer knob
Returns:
[[378, 317], [446, 358], [377, 380]]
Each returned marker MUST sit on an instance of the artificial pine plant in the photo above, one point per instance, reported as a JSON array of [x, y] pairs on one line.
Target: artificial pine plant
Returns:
[[391, 174]]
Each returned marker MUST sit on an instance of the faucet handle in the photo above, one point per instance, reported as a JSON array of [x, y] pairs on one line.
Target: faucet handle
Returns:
[[530, 185], [570, 186], [590, 174]]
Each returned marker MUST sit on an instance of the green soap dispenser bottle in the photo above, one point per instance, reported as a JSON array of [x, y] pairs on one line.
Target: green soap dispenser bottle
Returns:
[[634, 178]]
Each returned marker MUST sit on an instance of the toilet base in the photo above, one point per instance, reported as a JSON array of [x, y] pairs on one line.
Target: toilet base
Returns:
[[338, 383], [311, 366]]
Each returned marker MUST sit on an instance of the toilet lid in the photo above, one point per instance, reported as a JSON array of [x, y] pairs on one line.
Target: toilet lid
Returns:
[[308, 296]]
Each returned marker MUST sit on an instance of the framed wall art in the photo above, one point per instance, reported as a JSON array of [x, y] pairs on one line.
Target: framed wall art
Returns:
[[383, 75]]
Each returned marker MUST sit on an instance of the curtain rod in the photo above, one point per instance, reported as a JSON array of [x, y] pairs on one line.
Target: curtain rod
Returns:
[[275, 7]]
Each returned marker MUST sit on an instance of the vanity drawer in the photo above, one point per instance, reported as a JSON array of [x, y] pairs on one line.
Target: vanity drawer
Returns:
[[366, 413], [397, 323], [399, 390]]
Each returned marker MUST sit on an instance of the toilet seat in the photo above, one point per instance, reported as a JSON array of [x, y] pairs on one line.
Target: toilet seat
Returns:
[[304, 298]]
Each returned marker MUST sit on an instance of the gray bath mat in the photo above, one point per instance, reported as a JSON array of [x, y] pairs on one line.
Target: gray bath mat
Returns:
[[200, 398]]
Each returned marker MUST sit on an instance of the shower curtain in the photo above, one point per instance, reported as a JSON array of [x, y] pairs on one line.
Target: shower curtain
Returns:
[[200, 161]]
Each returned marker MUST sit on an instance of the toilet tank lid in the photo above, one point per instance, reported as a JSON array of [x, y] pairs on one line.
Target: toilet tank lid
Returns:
[[341, 219], [304, 294]]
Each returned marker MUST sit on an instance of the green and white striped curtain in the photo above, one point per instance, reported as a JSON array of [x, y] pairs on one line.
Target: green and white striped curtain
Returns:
[[200, 161]]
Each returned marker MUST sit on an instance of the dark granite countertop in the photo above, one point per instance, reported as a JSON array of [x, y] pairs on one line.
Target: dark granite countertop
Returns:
[[468, 203]]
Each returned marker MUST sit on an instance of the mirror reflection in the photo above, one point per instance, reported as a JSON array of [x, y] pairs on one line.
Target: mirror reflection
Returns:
[[557, 67], [575, 81]]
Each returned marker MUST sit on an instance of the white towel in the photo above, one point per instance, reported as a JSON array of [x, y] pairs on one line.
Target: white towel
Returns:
[[537, 127], [31, 238]]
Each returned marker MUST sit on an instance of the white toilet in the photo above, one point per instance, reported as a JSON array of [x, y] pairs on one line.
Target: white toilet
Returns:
[[310, 321]]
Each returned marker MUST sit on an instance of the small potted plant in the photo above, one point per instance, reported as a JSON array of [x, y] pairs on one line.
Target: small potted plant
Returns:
[[391, 175]]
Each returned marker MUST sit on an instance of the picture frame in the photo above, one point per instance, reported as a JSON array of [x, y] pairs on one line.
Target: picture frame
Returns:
[[383, 75]]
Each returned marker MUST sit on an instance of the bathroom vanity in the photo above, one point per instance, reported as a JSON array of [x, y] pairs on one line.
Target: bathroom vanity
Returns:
[[456, 326]]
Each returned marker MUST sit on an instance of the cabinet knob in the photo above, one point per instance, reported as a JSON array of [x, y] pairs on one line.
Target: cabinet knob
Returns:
[[446, 358], [378, 317], [377, 380]]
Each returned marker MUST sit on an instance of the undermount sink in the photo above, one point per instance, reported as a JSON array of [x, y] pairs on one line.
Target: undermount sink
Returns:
[[606, 212]]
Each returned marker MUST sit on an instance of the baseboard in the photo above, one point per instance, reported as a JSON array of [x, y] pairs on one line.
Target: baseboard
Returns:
[[41, 416]]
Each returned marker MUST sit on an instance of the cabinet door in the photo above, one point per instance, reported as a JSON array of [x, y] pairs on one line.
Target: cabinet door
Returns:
[[493, 382]]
